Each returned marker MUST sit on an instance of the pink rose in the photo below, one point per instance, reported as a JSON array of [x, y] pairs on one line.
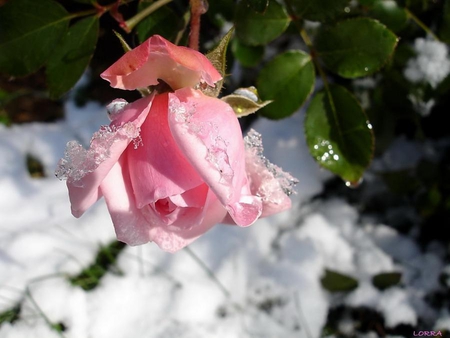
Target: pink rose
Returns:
[[172, 164]]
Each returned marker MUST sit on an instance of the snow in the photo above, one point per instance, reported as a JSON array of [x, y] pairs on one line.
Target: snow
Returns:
[[431, 63], [261, 281]]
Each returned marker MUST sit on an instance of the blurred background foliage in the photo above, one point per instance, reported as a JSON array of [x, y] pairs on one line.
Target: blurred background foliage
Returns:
[[359, 68]]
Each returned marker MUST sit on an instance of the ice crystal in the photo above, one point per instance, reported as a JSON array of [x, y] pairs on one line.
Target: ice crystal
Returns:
[[115, 108], [78, 162], [274, 178]]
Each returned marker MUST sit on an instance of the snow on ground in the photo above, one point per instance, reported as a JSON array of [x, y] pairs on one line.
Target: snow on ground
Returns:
[[266, 277]]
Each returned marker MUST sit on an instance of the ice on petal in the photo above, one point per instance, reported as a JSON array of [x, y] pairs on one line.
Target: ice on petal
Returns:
[[270, 181], [78, 162], [208, 133], [115, 108]]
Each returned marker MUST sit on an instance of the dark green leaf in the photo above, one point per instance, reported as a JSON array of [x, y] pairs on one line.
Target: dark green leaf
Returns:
[[105, 261], [30, 30], [387, 11], [163, 22], [288, 80], [218, 59], [356, 47], [338, 134], [335, 282], [387, 279], [318, 10], [259, 6], [255, 28], [248, 56], [444, 29], [70, 59], [245, 101]]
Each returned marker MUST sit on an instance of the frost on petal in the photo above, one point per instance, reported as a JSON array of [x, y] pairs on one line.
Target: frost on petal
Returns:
[[267, 180], [208, 132], [78, 162], [115, 108]]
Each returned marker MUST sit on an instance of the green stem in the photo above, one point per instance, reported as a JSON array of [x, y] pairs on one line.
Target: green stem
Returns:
[[208, 271], [130, 23], [308, 42], [421, 24], [44, 316]]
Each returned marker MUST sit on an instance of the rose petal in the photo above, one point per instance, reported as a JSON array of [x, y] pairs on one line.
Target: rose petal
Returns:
[[208, 132], [131, 226], [157, 58], [267, 180], [172, 241], [86, 169], [158, 168]]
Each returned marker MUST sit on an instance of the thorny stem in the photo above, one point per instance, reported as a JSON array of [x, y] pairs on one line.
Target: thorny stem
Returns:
[[208, 271], [421, 24], [130, 23], [198, 7]]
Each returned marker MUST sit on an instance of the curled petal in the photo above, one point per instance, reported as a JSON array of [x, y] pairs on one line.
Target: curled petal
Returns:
[[129, 222], [158, 168], [158, 58], [86, 169], [208, 133], [171, 240]]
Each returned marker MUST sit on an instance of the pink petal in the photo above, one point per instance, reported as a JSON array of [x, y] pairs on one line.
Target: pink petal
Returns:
[[86, 169], [208, 132], [157, 58], [131, 226], [172, 241], [266, 179], [158, 168]]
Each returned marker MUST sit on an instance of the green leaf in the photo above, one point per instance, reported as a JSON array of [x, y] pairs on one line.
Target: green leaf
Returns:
[[387, 11], [318, 10], [288, 80], [387, 279], [355, 47], [163, 22], [338, 135], [259, 6], [334, 281], [248, 56], [444, 29], [218, 59], [255, 28], [30, 30], [245, 101], [71, 57]]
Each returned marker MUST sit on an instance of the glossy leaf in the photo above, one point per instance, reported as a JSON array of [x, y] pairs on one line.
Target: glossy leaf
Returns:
[[356, 47], [393, 16], [259, 6], [338, 134], [70, 59], [288, 80], [163, 22], [387, 279], [334, 281], [26, 44], [218, 59], [318, 10], [248, 56], [255, 28], [245, 101]]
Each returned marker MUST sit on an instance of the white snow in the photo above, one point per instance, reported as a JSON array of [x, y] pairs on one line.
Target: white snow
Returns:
[[431, 63], [266, 277]]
